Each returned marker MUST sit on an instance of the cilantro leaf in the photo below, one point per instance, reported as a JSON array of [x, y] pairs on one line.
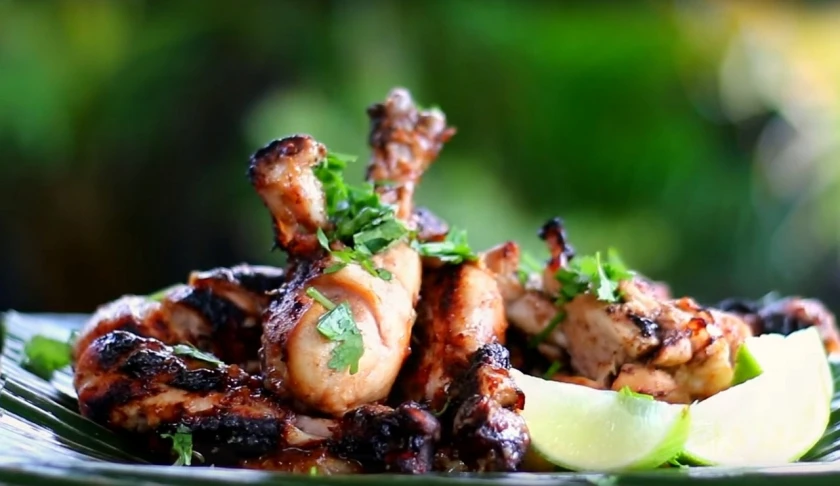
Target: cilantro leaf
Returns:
[[320, 298], [362, 223], [625, 391], [606, 288], [337, 324], [182, 446], [453, 249], [380, 237], [43, 355], [590, 273], [335, 267], [548, 329], [348, 352], [191, 351], [322, 239], [552, 370]]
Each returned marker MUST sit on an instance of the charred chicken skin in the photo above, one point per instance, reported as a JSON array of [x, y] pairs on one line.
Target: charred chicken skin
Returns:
[[218, 311], [460, 311], [296, 357], [459, 367]]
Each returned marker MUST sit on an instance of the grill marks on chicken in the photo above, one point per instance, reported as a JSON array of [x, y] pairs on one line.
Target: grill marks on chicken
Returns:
[[460, 310], [140, 385], [459, 367], [295, 355], [219, 312], [384, 439], [487, 433]]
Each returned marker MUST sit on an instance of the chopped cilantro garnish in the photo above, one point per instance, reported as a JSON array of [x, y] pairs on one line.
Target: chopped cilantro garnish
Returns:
[[192, 352], [182, 446], [365, 226], [362, 223], [586, 274], [548, 329], [552, 370], [453, 249], [444, 408], [625, 391], [590, 274], [337, 324], [43, 355]]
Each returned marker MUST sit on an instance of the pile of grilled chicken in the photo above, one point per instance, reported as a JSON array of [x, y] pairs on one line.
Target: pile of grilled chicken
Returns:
[[432, 390]]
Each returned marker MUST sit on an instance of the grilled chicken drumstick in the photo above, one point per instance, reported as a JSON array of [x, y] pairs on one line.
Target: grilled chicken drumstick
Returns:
[[296, 356], [459, 367], [461, 309]]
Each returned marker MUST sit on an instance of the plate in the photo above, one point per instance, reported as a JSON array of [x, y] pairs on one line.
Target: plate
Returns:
[[43, 440]]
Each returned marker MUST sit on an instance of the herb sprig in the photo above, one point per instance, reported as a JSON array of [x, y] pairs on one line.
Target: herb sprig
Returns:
[[586, 274], [362, 224], [182, 446], [191, 351], [44, 355], [590, 273], [453, 249], [337, 324]]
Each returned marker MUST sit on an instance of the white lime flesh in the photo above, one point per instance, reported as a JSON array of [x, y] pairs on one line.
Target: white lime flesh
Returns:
[[584, 429], [773, 418]]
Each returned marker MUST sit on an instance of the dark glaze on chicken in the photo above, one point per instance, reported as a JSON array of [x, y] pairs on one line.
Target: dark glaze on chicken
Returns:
[[459, 367]]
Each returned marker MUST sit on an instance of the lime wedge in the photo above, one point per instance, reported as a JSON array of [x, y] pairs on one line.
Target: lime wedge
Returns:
[[746, 366], [584, 429], [772, 419]]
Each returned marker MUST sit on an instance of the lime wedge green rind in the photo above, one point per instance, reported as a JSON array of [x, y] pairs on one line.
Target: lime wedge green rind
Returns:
[[571, 426], [746, 366]]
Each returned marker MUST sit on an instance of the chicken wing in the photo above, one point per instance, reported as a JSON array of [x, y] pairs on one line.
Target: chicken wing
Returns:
[[296, 356], [140, 385], [219, 311], [672, 349]]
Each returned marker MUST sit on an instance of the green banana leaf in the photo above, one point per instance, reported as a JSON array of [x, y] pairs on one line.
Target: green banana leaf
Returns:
[[43, 440]]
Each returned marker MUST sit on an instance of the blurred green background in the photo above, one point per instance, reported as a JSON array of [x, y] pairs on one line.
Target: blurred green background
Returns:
[[698, 138]]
